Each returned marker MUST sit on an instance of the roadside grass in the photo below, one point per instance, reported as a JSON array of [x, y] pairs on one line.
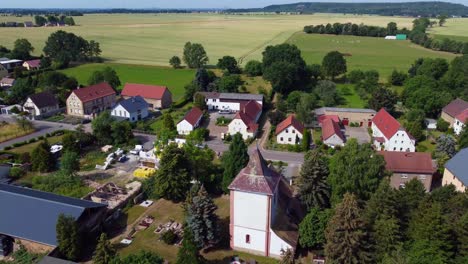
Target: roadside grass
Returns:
[[365, 53], [30, 147], [91, 159], [174, 79], [352, 99], [10, 131]]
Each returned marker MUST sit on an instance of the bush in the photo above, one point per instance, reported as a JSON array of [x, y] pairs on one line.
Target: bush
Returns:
[[222, 121], [169, 237], [7, 148], [41, 138], [16, 173], [32, 140], [47, 135], [442, 125]]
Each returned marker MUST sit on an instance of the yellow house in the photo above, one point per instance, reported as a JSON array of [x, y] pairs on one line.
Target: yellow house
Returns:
[[90, 101], [456, 171]]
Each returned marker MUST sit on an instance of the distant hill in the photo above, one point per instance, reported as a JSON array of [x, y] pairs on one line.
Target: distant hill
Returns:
[[426, 9]]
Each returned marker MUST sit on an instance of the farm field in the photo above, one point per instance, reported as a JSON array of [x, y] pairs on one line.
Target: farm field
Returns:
[[453, 27], [151, 39], [175, 80], [365, 53]]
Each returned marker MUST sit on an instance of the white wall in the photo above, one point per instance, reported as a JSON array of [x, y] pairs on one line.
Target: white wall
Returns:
[[184, 127], [257, 239], [288, 136], [334, 141], [276, 244], [400, 142], [238, 126], [458, 126], [119, 111], [215, 104]]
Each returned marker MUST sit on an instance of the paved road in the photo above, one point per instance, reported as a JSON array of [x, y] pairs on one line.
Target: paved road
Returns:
[[42, 128]]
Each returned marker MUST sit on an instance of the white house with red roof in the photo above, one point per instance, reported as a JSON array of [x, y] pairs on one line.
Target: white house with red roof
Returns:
[[332, 135], [389, 135], [31, 65], [157, 97], [259, 202], [191, 121], [245, 121], [460, 121], [289, 131]]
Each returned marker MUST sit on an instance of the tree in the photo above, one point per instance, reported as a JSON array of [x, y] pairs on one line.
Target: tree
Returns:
[[355, 76], [235, 159], [287, 256], [424, 251], [397, 78], [70, 162], [346, 236], [102, 125], [355, 169], [70, 142], [200, 102], [463, 139], [108, 75], [304, 108], [22, 49], [253, 68], [313, 188], [229, 84], [175, 62], [445, 145], [121, 132], [442, 125], [173, 177], [326, 90], [104, 252], [68, 238], [442, 19], [312, 228], [334, 64], [409, 199], [202, 220], [383, 98], [306, 139], [415, 129], [392, 28], [20, 91], [229, 64], [40, 21], [42, 159], [195, 55], [188, 252]]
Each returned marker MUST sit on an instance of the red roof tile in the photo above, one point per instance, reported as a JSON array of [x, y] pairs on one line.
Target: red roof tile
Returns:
[[251, 126], [93, 92], [145, 91], [193, 115], [252, 109], [33, 63], [386, 123], [256, 177], [322, 118], [463, 116], [455, 107], [330, 128], [290, 121], [408, 162]]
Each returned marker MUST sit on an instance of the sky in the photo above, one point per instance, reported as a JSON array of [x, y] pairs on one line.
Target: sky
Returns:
[[167, 3]]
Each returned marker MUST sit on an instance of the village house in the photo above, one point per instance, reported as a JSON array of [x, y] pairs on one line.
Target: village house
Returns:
[[6, 82], [41, 104], [132, 109], [245, 121], [30, 216], [190, 122], [259, 202], [3, 72], [233, 102], [460, 121], [10, 65], [348, 116], [456, 171], [88, 102], [289, 131], [32, 65], [454, 108], [389, 135], [28, 24], [332, 135], [157, 97], [406, 166]]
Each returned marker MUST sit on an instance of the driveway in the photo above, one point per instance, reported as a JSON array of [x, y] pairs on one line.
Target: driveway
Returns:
[[216, 131], [359, 133]]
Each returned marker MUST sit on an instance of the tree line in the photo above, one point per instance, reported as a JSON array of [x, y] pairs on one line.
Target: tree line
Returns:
[[53, 19], [356, 30]]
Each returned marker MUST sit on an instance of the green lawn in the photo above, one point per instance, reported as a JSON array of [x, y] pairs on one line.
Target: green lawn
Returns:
[[177, 115], [165, 76], [29, 147], [365, 53], [352, 99]]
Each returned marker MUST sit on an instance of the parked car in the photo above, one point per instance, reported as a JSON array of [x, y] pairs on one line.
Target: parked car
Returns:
[[224, 112]]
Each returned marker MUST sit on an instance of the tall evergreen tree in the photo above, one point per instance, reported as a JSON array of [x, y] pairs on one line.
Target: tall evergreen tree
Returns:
[[189, 252], [68, 237], [347, 240], [234, 160], [306, 140], [409, 199], [202, 219], [313, 188], [104, 252], [42, 159], [384, 202], [385, 235]]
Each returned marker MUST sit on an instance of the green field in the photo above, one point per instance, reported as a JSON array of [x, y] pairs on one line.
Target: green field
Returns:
[[457, 38], [453, 27], [151, 39], [365, 53], [175, 80]]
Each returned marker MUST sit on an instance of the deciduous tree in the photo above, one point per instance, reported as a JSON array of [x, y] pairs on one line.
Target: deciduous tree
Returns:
[[383, 98], [42, 159], [253, 68], [102, 125], [70, 162], [235, 159], [22, 49], [229, 64], [312, 228], [175, 62], [108, 75], [195, 55], [334, 64]]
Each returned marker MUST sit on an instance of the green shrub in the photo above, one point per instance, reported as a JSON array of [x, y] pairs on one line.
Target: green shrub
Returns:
[[7, 148], [16, 173], [32, 140], [41, 138], [47, 135], [169, 237], [442, 125]]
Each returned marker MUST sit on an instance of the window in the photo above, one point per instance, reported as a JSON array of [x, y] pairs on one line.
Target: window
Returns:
[[287, 131], [281, 138], [394, 149], [401, 149], [422, 177], [402, 142], [247, 239], [293, 131], [289, 139], [404, 176]]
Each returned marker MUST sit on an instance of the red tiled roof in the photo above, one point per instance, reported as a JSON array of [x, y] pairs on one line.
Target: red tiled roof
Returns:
[[252, 109], [249, 122], [290, 121], [322, 118], [408, 162], [93, 92], [34, 63], [463, 116], [455, 107], [145, 91], [386, 123], [193, 115], [256, 177], [330, 128]]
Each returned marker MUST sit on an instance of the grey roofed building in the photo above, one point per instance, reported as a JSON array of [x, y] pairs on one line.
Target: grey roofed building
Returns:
[[458, 166], [52, 260], [134, 104], [323, 110], [233, 96], [32, 215]]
